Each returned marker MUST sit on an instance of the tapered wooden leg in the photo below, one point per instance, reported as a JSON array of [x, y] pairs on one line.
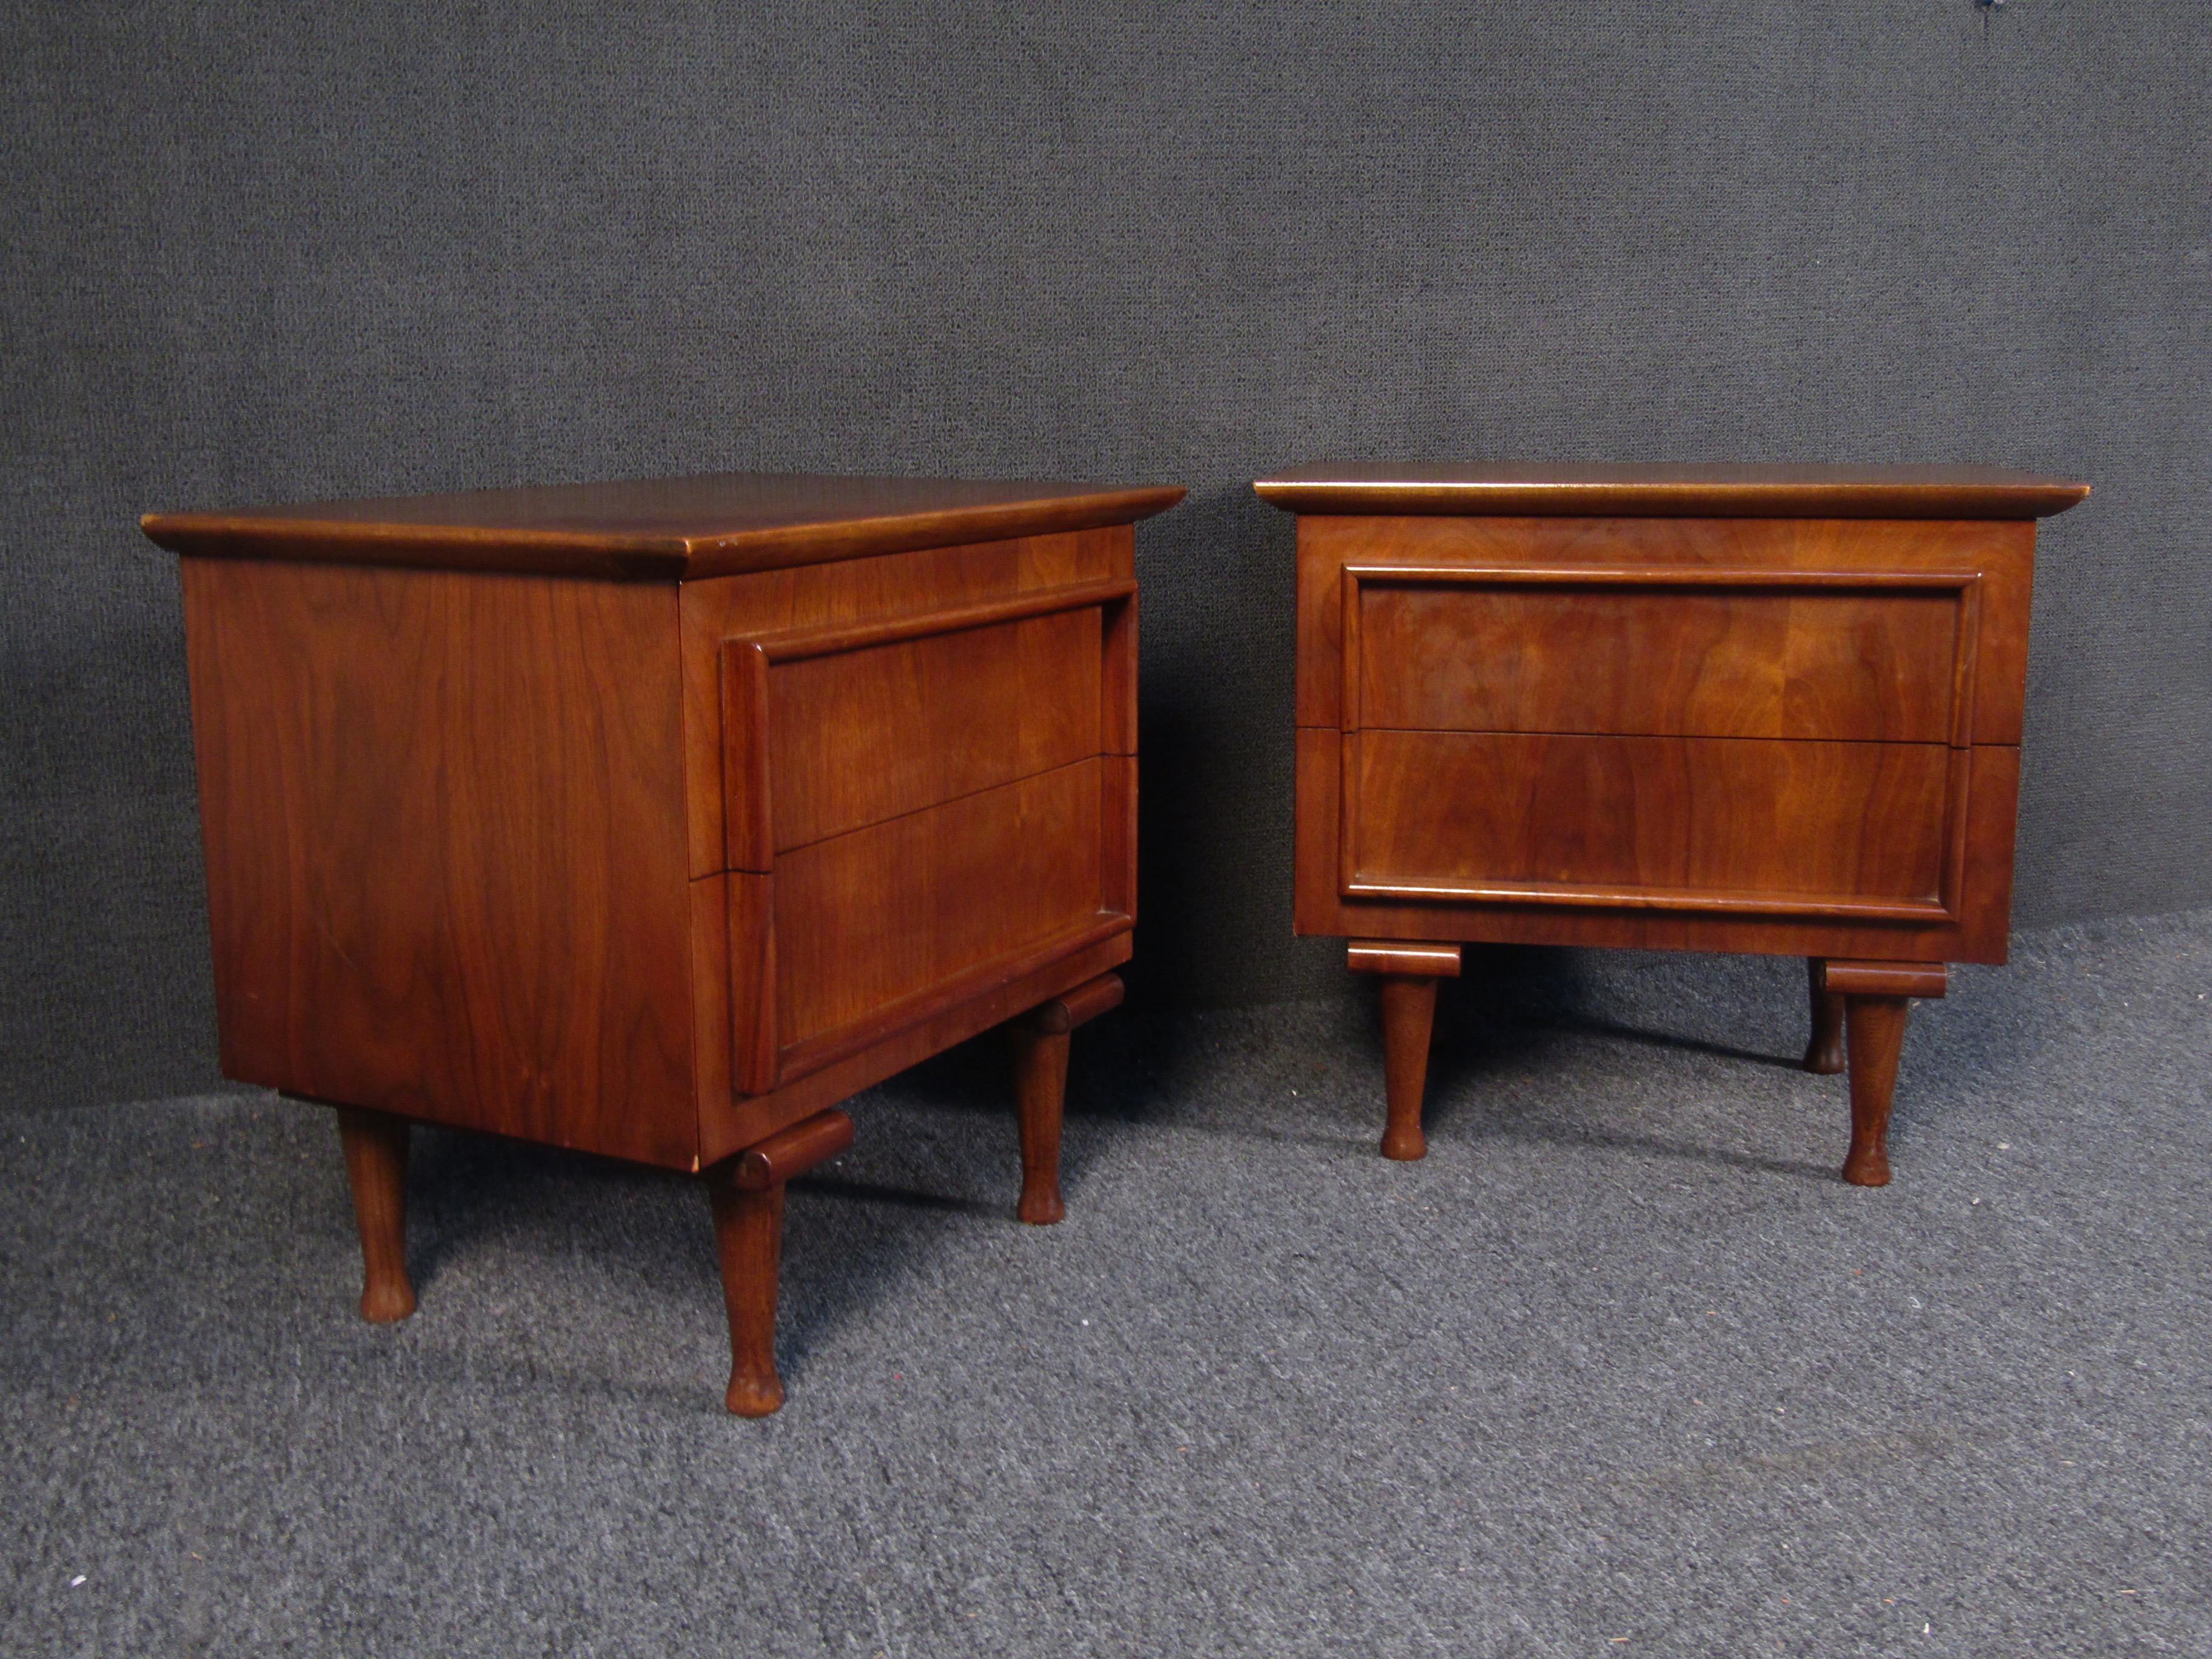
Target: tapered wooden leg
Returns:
[[1409, 1016], [1040, 1094], [749, 1237], [376, 1168], [1824, 1051], [1039, 1042], [1877, 1039], [1876, 1009], [1409, 975], [746, 1194]]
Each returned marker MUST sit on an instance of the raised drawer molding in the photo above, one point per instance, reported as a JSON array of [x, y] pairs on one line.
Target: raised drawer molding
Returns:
[[657, 818], [1685, 708]]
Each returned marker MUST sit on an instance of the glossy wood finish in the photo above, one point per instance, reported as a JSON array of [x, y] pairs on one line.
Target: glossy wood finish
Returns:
[[376, 1168], [1767, 709], [1408, 975], [1716, 824], [1824, 1048], [442, 815], [746, 1195], [1624, 491], [1777, 924], [1039, 1044], [658, 529], [749, 1244], [1711, 653], [513, 824], [1040, 1060], [1744, 662]]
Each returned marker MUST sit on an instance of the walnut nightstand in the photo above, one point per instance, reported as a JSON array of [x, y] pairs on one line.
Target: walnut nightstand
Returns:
[[656, 818], [1667, 707]]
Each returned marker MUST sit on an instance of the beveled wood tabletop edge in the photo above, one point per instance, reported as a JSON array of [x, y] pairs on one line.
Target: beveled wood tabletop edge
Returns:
[[1366, 489], [634, 558]]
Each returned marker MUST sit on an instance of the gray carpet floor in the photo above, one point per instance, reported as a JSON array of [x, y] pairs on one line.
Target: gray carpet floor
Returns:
[[1622, 1368]]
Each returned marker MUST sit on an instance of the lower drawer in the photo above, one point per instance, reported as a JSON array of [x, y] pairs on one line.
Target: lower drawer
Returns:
[[857, 937], [1777, 827]]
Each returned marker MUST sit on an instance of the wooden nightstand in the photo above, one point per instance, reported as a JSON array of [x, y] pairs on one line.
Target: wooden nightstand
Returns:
[[656, 818], [1667, 707]]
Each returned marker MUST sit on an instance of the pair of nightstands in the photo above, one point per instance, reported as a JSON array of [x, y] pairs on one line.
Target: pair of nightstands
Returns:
[[656, 819]]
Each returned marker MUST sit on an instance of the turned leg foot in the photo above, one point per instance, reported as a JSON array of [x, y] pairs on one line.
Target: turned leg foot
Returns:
[[1876, 1006], [1877, 1039], [1409, 1015], [376, 1168], [1040, 1093], [746, 1194], [1409, 975], [1039, 1041], [1824, 1051], [749, 1238]]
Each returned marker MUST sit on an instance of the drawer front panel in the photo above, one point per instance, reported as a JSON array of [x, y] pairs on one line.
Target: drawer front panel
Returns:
[[1779, 656], [1785, 827], [871, 920], [1895, 575], [858, 736]]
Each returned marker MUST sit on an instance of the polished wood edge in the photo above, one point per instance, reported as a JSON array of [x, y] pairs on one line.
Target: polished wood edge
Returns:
[[2021, 496], [1077, 1007], [1377, 957], [1654, 575], [419, 547], [748, 815], [797, 645], [824, 1049], [751, 1118], [1930, 911], [791, 1153], [616, 557], [1885, 979], [755, 1042]]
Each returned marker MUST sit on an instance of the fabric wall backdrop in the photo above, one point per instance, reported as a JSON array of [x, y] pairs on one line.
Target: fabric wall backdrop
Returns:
[[270, 252]]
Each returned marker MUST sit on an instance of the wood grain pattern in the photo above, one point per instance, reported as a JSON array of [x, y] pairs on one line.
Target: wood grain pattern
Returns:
[[1643, 550], [662, 872], [1711, 823], [868, 919], [1629, 491], [1819, 657], [443, 816], [1667, 707], [810, 599], [858, 737], [658, 529], [734, 1122], [1981, 932]]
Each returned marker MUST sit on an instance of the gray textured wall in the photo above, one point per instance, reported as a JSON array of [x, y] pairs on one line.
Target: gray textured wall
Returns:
[[256, 252]]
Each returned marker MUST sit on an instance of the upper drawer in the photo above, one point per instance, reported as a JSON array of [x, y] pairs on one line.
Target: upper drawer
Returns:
[[1689, 653], [828, 730], [1890, 631]]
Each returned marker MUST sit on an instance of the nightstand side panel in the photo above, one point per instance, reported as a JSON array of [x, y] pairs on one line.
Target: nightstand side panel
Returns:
[[443, 818]]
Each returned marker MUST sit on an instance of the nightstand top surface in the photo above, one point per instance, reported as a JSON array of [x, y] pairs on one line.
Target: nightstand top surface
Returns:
[[668, 529], [1669, 489]]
